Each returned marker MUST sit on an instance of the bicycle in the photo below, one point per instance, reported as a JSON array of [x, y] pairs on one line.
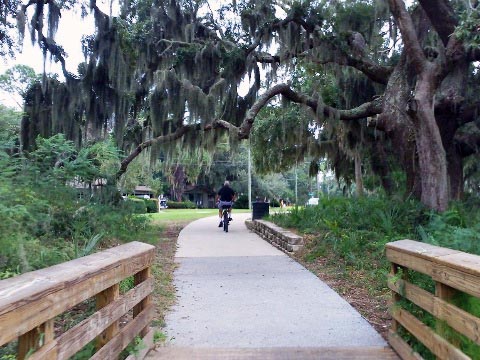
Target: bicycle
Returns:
[[226, 216]]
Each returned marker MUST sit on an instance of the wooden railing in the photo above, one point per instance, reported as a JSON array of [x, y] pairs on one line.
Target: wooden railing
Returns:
[[452, 271], [29, 304]]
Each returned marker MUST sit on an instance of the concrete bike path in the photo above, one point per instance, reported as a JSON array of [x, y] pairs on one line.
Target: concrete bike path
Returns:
[[235, 290]]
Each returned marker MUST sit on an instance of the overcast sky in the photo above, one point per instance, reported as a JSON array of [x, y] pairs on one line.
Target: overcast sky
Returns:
[[70, 31]]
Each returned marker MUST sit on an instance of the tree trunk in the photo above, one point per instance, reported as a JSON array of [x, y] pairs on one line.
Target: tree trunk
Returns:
[[358, 174], [398, 125], [177, 179], [431, 153], [455, 173], [450, 100]]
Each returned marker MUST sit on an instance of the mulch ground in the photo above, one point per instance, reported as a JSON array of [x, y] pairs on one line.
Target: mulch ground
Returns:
[[350, 285]]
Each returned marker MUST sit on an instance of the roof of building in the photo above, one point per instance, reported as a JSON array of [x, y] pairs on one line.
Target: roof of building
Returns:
[[143, 188]]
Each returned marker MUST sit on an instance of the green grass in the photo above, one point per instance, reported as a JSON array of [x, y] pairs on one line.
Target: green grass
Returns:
[[185, 215]]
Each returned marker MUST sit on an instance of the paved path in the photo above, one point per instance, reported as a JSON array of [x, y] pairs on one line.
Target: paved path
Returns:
[[237, 291]]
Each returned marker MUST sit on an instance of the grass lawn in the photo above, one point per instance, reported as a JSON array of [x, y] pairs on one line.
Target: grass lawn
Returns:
[[185, 215]]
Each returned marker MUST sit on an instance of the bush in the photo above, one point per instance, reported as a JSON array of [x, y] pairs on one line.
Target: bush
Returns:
[[241, 202], [151, 205], [136, 205], [181, 205], [274, 203]]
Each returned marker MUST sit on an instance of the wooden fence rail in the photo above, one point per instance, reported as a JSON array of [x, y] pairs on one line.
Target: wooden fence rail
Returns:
[[30, 302], [452, 271]]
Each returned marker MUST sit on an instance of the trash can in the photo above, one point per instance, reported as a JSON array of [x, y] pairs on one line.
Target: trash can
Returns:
[[259, 209]]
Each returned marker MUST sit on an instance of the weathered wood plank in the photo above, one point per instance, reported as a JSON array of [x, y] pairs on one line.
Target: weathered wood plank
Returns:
[[402, 348], [149, 345], [410, 261], [60, 287], [457, 279], [77, 337], [278, 353], [14, 292], [451, 267], [139, 278], [464, 262], [419, 249], [35, 339], [460, 320], [126, 335], [415, 294], [102, 299], [437, 345]]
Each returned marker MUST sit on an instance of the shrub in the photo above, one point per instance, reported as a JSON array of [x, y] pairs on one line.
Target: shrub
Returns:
[[274, 203], [151, 205], [241, 202], [181, 205], [136, 205]]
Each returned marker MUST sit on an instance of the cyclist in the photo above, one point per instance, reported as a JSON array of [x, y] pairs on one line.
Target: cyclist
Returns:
[[225, 197]]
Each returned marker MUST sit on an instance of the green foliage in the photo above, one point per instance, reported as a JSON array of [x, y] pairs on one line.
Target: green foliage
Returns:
[[181, 205], [9, 128], [136, 205], [151, 205], [126, 284], [241, 202], [134, 347], [16, 80], [44, 220], [159, 337], [355, 231], [457, 228], [88, 246], [468, 29], [86, 352]]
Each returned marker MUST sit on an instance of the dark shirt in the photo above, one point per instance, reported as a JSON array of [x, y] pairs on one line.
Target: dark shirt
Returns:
[[226, 193]]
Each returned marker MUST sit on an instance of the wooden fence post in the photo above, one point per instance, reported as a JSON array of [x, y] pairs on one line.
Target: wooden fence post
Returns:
[[394, 270], [102, 299], [446, 293], [140, 277], [35, 338]]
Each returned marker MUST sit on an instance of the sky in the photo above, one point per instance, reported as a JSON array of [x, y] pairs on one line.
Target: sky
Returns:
[[70, 31]]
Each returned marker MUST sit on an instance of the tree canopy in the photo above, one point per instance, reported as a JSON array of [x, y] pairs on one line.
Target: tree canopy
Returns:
[[373, 81]]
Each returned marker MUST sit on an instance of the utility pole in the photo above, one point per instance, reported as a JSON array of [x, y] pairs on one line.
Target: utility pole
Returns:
[[296, 185], [249, 178]]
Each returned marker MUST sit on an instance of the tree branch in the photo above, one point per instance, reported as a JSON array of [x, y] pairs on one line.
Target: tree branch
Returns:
[[442, 17], [410, 39], [377, 73], [367, 109], [180, 132], [160, 139]]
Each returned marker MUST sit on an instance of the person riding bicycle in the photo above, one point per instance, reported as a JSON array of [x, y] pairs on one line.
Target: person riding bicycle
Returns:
[[225, 197]]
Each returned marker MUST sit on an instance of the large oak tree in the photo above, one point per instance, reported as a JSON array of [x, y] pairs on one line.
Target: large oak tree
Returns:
[[168, 72]]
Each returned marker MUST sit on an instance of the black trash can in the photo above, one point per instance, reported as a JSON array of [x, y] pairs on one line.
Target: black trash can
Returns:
[[259, 209]]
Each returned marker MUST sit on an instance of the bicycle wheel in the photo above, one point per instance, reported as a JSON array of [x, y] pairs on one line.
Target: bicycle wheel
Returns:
[[225, 220]]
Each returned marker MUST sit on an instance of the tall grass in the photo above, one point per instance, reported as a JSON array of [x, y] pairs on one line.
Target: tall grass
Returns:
[[354, 232]]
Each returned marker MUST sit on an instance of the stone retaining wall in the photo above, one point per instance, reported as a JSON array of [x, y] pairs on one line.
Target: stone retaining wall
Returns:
[[283, 239]]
